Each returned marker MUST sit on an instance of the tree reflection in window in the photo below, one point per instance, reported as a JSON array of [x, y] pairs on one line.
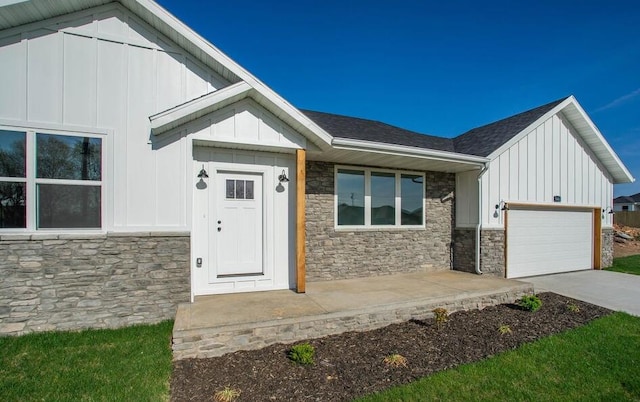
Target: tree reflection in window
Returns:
[[12, 189]]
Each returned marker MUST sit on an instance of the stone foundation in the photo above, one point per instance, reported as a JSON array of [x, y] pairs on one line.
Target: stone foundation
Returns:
[[607, 248], [69, 282], [342, 254]]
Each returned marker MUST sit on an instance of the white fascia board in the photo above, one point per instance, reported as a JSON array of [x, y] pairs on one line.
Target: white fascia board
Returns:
[[235, 68], [626, 175], [198, 107], [403, 150]]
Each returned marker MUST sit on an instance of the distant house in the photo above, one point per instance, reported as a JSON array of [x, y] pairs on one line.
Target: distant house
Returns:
[[141, 167], [627, 203]]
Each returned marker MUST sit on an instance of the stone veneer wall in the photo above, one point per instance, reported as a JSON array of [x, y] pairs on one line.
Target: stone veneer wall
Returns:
[[492, 252], [464, 250], [68, 282], [607, 248], [341, 254]]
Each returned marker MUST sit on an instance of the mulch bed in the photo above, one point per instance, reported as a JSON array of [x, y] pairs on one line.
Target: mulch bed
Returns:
[[350, 365]]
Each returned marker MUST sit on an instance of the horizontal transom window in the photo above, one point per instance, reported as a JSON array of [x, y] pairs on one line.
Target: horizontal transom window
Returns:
[[378, 198]]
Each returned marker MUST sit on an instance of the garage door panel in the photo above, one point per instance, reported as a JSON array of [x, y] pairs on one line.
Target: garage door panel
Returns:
[[548, 241]]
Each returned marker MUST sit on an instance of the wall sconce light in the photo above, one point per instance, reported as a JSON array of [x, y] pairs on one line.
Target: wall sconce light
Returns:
[[203, 174], [283, 177], [611, 211]]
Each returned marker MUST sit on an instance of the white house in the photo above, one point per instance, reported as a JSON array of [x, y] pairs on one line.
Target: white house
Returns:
[[627, 203], [141, 167]]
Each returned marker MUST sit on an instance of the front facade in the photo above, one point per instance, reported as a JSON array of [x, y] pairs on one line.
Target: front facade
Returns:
[[142, 168], [627, 203]]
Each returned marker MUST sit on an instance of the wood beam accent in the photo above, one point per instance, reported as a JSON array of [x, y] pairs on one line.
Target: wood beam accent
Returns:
[[301, 173], [597, 238]]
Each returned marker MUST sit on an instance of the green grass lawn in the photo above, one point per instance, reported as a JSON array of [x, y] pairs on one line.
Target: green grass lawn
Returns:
[[598, 362], [628, 265], [128, 364]]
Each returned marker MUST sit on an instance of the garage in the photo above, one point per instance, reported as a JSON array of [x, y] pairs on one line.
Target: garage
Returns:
[[545, 240]]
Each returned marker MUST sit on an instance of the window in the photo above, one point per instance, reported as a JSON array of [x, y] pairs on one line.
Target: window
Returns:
[[50, 180], [239, 189], [625, 207], [379, 198]]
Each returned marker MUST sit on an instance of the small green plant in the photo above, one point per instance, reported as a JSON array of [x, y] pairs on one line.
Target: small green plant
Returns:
[[530, 303], [504, 329], [227, 394], [302, 353], [395, 360], [440, 315], [573, 308]]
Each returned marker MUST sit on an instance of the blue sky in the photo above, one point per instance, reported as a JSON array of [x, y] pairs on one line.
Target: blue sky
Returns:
[[439, 67]]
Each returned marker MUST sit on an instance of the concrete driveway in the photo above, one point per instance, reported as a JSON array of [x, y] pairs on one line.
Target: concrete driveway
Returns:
[[613, 290]]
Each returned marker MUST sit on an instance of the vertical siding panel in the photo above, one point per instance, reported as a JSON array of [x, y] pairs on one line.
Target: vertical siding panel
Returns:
[[585, 177], [579, 173], [13, 78], [140, 188], [196, 81], [555, 163], [548, 161], [540, 165], [491, 192], [45, 77], [564, 183], [79, 92], [571, 168], [168, 81], [514, 173], [532, 171], [523, 172], [111, 112]]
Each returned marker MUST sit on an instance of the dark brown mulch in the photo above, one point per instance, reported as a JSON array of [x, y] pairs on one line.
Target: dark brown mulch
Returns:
[[350, 365]]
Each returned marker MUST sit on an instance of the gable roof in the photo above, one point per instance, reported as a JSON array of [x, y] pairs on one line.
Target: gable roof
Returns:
[[15, 13], [484, 140], [370, 130]]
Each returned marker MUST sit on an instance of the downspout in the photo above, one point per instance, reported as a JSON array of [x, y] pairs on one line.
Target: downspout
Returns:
[[479, 225]]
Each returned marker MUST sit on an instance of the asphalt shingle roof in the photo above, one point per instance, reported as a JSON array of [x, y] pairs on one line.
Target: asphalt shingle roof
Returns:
[[370, 130], [480, 141]]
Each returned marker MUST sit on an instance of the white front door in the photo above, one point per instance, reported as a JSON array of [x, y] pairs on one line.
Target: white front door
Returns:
[[238, 225]]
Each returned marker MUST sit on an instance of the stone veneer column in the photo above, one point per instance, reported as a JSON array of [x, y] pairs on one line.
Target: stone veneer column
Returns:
[[341, 254], [68, 282], [464, 250], [607, 248], [492, 252]]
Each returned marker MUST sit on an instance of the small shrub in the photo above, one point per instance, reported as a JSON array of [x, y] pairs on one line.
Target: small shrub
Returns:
[[228, 394], [440, 315], [504, 329], [302, 353], [530, 303], [395, 360], [573, 308]]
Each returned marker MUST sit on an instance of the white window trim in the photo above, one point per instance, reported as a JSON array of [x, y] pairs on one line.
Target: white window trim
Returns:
[[367, 200], [32, 181]]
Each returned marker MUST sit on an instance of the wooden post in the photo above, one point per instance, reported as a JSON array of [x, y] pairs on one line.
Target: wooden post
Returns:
[[597, 238], [300, 220]]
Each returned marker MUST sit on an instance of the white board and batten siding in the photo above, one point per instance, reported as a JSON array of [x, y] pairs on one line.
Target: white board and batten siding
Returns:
[[550, 161], [104, 71]]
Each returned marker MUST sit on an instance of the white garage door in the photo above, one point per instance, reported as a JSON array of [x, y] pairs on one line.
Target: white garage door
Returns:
[[548, 241]]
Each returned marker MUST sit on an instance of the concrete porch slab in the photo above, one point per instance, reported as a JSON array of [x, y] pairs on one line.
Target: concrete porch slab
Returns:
[[219, 324]]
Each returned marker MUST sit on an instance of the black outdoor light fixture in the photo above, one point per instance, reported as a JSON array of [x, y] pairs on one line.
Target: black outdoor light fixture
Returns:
[[203, 174], [283, 177]]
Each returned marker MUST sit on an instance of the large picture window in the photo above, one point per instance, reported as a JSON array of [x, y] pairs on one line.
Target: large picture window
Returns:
[[379, 198], [50, 180]]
